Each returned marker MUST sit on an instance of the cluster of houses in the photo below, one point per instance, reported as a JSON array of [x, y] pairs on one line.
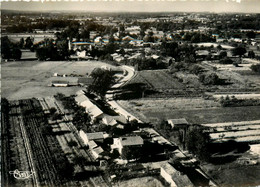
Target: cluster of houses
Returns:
[[95, 140]]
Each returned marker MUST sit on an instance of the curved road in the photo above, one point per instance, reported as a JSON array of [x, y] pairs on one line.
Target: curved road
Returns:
[[109, 96]]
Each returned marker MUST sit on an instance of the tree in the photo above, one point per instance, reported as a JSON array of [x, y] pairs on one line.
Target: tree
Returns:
[[256, 68], [132, 153], [5, 48], [251, 54], [251, 34], [209, 79], [226, 60], [28, 43], [239, 51], [21, 43], [103, 79], [197, 143], [222, 54], [16, 53]]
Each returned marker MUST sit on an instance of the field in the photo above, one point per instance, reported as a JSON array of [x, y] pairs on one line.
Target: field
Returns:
[[27, 79], [196, 111], [244, 131], [157, 79]]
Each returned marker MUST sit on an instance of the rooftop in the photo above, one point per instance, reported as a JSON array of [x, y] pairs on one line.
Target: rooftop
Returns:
[[132, 140], [95, 135], [178, 178]]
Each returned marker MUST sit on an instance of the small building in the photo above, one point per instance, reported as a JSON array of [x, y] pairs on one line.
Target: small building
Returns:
[[114, 120], [85, 81], [174, 177], [92, 144], [87, 137], [96, 152], [59, 83], [178, 123], [131, 141]]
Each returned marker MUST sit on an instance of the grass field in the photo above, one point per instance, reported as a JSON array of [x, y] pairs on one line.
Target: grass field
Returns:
[[26, 79]]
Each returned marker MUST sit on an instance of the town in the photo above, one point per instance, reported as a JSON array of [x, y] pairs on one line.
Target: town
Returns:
[[131, 99]]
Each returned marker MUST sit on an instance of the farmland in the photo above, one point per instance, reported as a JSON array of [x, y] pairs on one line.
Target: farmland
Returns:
[[195, 110], [27, 79], [243, 131], [50, 146]]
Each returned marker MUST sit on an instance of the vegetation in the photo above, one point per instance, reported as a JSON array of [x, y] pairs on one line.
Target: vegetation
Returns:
[[197, 142], [10, 50], [103, 80], [210, 79], [234, 102], [256, 68]]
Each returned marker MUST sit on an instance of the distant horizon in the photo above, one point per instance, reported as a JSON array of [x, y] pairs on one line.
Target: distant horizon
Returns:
[[137, 6]]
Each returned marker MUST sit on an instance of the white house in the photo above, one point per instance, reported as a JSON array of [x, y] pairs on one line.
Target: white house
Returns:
[[120, 143]]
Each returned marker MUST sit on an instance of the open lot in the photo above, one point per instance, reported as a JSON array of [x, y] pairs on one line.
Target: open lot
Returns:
[[27, 79]]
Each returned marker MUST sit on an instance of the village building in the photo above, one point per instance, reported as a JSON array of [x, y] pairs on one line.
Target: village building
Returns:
[[59, 83], [131, 141], [85, 81], [96, 152], [88, 137], [114, 120], [93, 110], [174, 177], [178, 123]]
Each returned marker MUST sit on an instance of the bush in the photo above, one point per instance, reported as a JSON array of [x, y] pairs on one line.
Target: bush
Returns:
[[226, 60], [256, 68]]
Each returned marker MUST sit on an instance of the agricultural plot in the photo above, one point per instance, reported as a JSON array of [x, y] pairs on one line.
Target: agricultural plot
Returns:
[[195, 110], [157, 79], [244, 131]]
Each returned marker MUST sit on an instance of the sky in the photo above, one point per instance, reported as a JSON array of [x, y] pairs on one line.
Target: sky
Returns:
[[218, 6]]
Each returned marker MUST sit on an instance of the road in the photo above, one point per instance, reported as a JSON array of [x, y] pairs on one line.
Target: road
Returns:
[[109, 96]]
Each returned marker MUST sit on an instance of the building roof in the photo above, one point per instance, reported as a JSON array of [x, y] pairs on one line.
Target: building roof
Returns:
[[132, 140], [94, 111], [98, 150], [95, 135], [59, 82], [85, 80], [180, 121], [179, 179], [92, 144], [109, 120], [91, 108], [80, 92], [81, 98]]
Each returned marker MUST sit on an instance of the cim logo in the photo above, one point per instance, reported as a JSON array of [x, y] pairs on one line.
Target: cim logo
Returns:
[[21, 174]]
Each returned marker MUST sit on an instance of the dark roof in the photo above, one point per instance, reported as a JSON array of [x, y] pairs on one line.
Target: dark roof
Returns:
[[85, 80], [132, 140], [59, 82], [95, 135]]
